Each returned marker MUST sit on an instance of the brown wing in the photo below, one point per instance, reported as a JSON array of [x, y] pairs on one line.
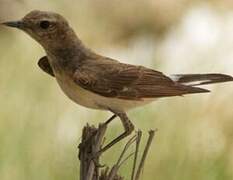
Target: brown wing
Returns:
[[113, 79], [43, 63]]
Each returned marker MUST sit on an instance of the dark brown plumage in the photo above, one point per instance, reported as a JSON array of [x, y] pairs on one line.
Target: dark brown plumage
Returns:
[[113, 79]]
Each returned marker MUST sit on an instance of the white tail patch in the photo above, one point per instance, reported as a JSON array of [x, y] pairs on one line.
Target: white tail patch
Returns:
[[200, 79]]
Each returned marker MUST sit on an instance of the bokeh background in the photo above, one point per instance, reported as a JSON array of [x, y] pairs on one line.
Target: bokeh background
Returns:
[[40, 127]]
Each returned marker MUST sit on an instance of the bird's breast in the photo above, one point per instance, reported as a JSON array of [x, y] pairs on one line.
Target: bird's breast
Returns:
[[75, 92], [92, 100]]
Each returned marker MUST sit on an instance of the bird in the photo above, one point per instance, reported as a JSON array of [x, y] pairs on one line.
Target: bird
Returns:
[[100, 82]]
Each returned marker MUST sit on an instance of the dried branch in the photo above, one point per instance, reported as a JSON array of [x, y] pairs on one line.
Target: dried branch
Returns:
[[139, 136], [92, 142], [141, 165]]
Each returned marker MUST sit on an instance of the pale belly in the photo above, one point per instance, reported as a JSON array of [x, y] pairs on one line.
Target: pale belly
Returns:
[[91, 100]]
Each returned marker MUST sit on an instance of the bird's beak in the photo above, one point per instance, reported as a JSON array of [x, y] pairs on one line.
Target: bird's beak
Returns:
[[14, 24]]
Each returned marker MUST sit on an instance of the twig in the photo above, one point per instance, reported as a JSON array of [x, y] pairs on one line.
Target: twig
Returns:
[[90, 145], [92, 141], [139, 136], [116, 167], [142, 162], [132, 140]]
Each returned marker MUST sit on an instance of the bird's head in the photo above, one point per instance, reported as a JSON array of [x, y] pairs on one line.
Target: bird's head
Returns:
[[47, 28]]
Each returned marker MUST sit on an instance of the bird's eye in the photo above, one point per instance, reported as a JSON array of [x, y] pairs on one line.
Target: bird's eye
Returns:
[[44, 24]]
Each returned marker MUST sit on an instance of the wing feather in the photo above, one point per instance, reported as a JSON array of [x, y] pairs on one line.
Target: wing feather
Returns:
[[124, 81], [43, 63]]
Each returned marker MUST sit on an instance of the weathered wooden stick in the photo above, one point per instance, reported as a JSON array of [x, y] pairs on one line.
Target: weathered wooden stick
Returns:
[[92, 142], [90, 145]]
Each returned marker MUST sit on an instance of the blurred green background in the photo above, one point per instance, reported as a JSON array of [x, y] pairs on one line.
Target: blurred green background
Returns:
[[40, 128]]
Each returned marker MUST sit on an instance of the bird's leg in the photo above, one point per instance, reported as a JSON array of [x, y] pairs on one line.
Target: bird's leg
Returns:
[[89, 139], [110, 119], [128, 126]]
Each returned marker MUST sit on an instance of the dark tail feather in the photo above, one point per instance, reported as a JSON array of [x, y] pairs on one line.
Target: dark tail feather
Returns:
[[200, 79], [193, 90]]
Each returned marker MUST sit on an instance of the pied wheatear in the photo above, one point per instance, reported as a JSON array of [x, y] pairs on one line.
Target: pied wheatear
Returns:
[[99, 82]]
